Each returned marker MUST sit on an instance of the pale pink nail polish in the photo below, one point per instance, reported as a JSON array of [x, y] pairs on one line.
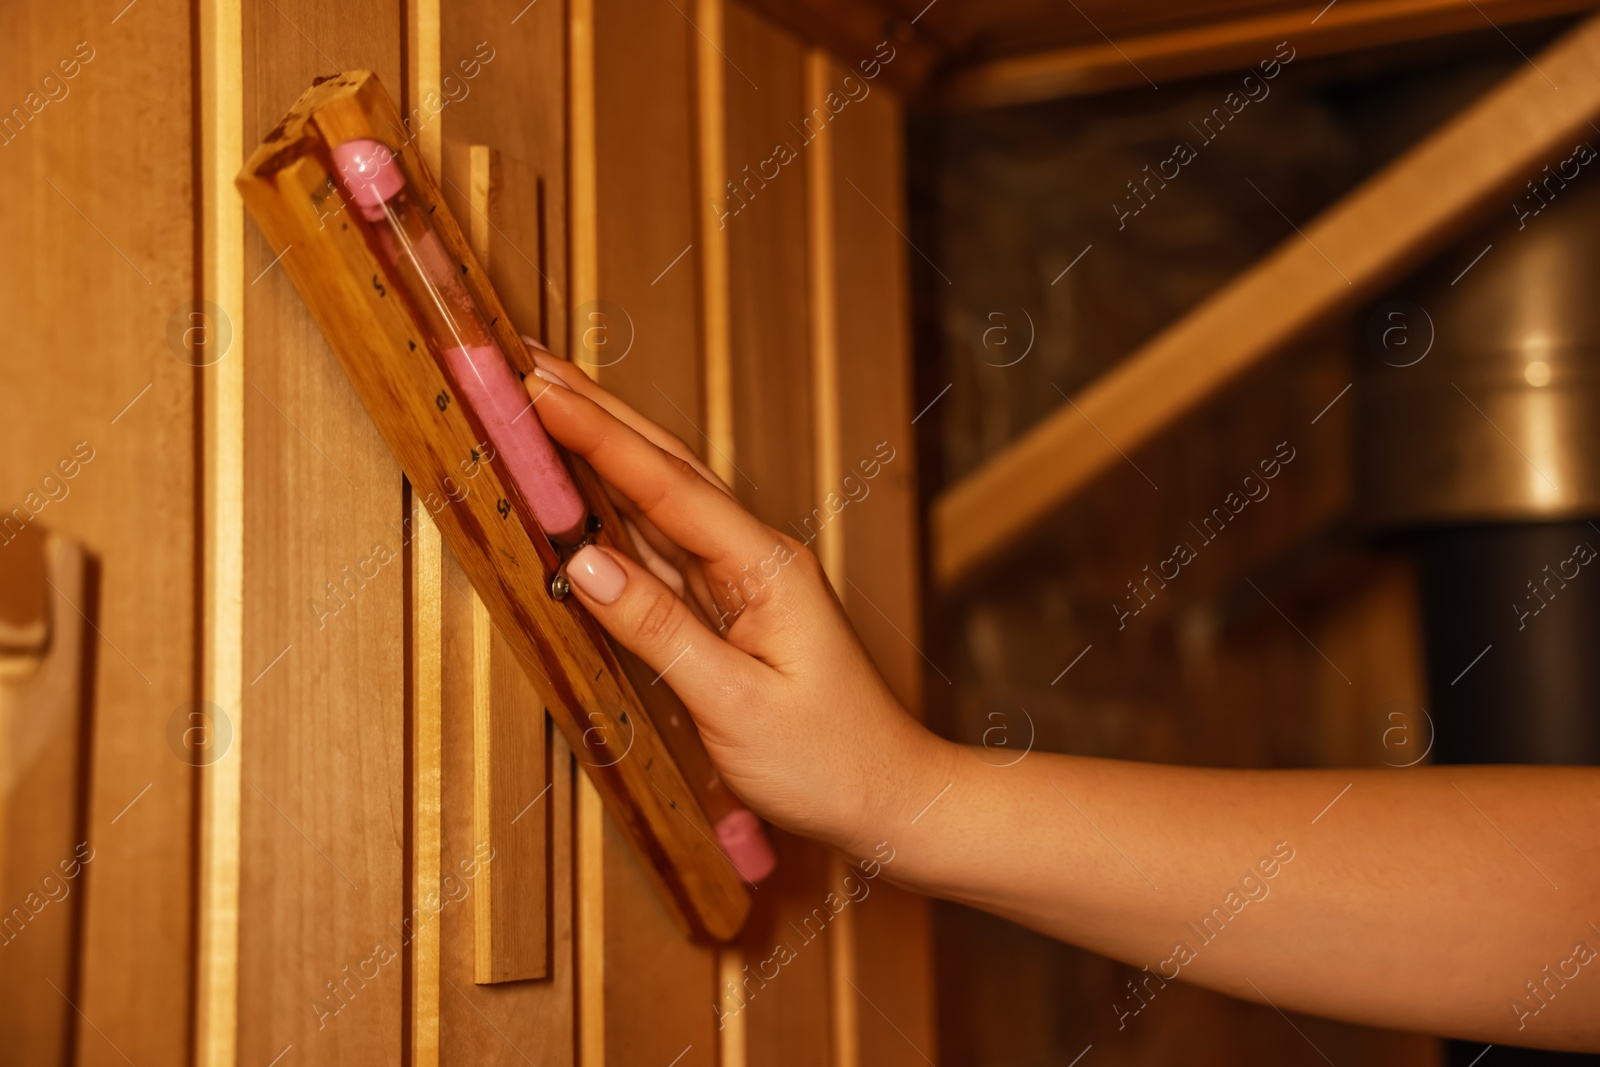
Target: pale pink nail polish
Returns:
[[597, 575], [544, 375]]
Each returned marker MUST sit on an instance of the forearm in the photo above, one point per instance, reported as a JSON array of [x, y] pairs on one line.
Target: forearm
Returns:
[[1424, 899]]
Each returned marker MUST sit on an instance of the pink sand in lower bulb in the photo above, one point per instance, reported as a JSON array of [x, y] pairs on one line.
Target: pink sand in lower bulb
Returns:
[[520, 443], [746, 844]]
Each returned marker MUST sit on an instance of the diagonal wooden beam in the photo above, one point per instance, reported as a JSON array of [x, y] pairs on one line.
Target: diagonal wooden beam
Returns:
[[1318, 29], [1369, 238]]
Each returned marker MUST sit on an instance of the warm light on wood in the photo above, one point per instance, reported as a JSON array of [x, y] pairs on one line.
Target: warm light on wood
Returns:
[[1318, 29], [1372, 235]]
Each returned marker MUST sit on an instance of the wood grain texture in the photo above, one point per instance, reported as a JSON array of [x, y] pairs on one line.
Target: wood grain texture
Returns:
[[324, 877], [1371, 236], [645, 182], [511, 110], [767, 245], [44, 705], [1226, 43], [510, 1023], [221, 56], [711, 156], [646, 217], [424, 709], [100, 187]]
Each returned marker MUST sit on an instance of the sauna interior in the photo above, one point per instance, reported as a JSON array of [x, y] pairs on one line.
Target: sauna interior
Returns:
[[1078, 268]]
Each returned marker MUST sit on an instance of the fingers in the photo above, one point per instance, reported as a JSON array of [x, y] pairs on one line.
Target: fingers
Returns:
[[668, 489], [575, 379], [639, 610]]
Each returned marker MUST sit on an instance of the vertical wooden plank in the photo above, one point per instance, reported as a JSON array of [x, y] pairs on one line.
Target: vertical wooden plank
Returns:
[[425, 589], [324, 879], [822, 295], [645, 285], [222, 447], [647, 225], [764, 205], [511, 906], [504, 126], [101, 186], [711, 145], [892, 947], [583, 268], [515, 1023], [711, 150]]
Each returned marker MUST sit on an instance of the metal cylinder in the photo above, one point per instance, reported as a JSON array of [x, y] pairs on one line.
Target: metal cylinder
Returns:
[[1479, 392]]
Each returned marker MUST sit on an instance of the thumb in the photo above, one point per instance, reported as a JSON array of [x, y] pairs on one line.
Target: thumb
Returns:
[[640, 611]]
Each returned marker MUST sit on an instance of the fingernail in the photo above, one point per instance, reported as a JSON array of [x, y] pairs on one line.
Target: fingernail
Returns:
[[542, 357], [597, 575], [533, 345], [549, 376]]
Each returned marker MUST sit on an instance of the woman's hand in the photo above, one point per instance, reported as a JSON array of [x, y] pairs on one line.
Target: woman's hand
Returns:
[[741, 621]]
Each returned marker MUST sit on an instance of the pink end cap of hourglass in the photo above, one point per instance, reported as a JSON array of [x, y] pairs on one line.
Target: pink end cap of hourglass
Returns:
[[371, 173], [746, 844]]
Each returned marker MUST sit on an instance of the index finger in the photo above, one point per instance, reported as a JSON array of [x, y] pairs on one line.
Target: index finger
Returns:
[[668, 489]]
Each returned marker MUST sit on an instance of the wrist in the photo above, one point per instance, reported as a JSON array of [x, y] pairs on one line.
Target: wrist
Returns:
[[913, 777]]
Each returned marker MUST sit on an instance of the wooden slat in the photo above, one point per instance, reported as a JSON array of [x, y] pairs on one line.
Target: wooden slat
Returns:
[[890, 934], [505, 180], [1228, 44], [773, 380], [511, 908], [646, 183], [424, 630], [216, 1014], [508, 1024], [324, 876], [425, 590], [711, 147], [1371, 236]]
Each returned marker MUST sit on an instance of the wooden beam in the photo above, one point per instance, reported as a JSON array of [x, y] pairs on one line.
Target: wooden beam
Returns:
[[1370, 237], [1319, 29]]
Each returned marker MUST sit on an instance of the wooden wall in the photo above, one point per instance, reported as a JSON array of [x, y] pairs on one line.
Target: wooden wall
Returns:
[[258, 548]]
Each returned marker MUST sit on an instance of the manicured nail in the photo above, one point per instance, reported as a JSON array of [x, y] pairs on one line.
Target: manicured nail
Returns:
[[549, 376], [597, 575], [533, 345]]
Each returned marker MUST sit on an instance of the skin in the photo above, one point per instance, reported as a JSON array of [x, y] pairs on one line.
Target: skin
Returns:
[[1425, 899]]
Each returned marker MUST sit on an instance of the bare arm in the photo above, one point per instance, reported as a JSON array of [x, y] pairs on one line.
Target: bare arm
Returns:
[[1457, 901]]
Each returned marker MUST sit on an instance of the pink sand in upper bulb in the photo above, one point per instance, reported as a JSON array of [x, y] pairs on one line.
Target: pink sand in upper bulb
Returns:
[[530, 457]]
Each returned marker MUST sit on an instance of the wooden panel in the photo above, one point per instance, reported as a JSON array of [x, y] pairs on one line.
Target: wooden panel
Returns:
[[766, 224], [517, 1022], [44, 702], [1368, 238], [221, 220], [506, 92], [892, 943], [645, 216], [775, 441], [323, 876], [1230, 44], [511, 773], [505, 86], [99, 185]]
